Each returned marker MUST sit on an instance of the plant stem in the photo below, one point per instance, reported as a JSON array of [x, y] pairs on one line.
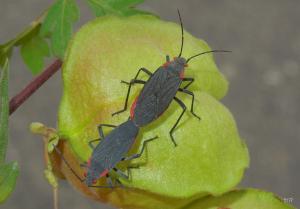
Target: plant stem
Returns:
[[17, 100]]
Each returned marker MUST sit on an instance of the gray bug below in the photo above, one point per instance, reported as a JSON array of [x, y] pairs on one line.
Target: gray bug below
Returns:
[[111, 150]]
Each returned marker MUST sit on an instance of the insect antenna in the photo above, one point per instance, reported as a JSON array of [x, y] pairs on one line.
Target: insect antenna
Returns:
[[68, 165], [182, 37], [205, 53]]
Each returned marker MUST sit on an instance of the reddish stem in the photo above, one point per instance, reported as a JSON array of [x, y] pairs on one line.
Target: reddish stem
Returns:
[[17, 100]]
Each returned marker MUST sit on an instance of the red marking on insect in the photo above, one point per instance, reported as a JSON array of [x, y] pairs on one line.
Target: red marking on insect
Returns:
[[89, 162], [166, 64], [85, 174], [104, 173], [133, 107], [181, 75], [94, 181]]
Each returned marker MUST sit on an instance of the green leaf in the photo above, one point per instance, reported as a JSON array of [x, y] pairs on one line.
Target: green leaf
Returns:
[[8, 177], [241, 199], [4, 111], [59, 24], [26, 37], [210, 157], [116, 7], [33, 53]]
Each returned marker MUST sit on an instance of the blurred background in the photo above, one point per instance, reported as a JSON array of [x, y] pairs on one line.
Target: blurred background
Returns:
[[264, 94]]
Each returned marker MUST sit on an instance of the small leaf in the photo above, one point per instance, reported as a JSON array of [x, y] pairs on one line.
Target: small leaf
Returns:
[[49, 134], [33, 53], [116, 7], [59, 24], [8, 176], [23, 38], [4, 111]]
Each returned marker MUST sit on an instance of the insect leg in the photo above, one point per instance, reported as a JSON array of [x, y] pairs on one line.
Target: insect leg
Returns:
[[83, 165], [121, 174], [189, 80], [144, 70], [100, 130], [142, 150], [128, 93], [193, 98], [108, 181], [167, 58], [68, 165], [182, 105]]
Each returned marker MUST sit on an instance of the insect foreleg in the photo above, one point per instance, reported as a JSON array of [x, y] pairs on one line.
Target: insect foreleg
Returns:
[[193, 98], [189, 80], [182, 105], [100, 129], [128, 93], [101, 133]]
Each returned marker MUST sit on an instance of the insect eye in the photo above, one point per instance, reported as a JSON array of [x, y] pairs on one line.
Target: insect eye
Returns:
[[94, 181], [186, 65]]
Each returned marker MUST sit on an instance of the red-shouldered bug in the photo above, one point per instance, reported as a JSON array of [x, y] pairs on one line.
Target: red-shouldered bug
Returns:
[[161, 88], [111, 150]]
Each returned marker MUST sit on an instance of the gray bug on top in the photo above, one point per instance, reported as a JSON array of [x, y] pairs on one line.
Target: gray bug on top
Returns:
[[161, 88], [155, 97]]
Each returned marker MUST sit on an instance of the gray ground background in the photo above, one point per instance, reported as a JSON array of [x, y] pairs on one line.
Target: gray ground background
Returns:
[[264, 96]]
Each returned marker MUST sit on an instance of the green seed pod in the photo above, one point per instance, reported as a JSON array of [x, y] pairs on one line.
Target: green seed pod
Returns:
[[210, 157]]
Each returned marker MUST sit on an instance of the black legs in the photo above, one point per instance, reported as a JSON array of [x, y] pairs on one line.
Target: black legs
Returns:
[[193, 98], [142, 150], [182, 105], [100, 130], [134, 81]]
